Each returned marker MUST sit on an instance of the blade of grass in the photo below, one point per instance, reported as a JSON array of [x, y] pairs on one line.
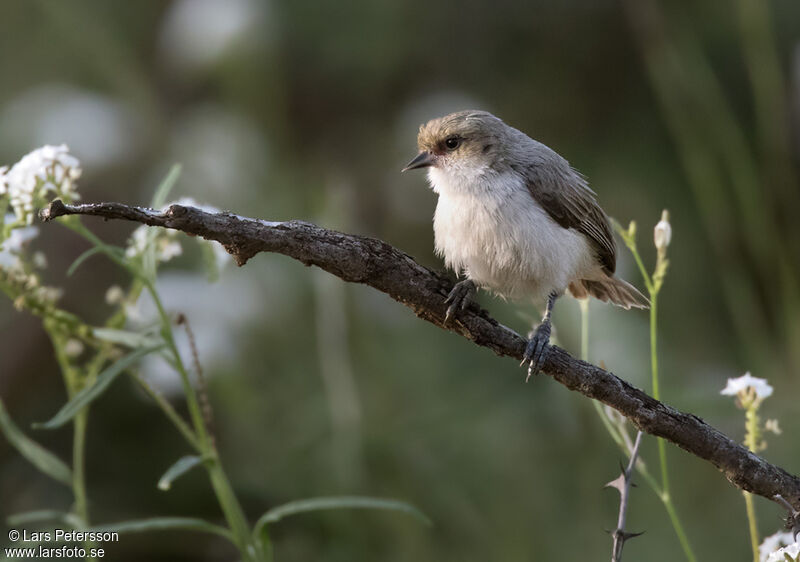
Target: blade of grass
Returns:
[[336, 502], [165, 187], [90, 393], [37, 455], [89, 253], [181, 467], [164, 524]]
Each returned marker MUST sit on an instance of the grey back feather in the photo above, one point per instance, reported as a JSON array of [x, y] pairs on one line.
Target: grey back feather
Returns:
[[564, 194]]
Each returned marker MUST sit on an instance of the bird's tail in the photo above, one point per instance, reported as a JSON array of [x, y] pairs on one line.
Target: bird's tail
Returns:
[[618, 291]]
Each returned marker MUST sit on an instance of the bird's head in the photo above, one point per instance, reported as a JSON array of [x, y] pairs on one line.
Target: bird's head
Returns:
[[460, 142]]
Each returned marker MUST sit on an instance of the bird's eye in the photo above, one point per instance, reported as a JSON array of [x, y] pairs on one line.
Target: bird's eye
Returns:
[[452, 143]]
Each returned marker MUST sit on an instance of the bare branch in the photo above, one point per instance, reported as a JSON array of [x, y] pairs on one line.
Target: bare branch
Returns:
[[623, 484], [370, 261]]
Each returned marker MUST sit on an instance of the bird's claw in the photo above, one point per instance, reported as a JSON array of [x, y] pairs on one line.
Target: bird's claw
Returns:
[[459, 298], [537, 350]]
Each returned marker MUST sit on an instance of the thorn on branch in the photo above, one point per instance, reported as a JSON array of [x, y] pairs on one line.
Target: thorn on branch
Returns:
[[622, 484]]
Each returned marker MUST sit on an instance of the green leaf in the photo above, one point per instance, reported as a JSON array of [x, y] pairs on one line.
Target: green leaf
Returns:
[[181, 467], [37, 455], [134, 340], [162, 191], [119, 252], [89, 393], [333, 502], [165, 524], [69, 519]]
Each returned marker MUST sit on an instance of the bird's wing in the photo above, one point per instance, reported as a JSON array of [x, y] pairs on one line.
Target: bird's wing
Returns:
[[564, 194]]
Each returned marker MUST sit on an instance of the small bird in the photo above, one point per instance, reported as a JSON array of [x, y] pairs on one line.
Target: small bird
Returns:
[[515, 218]]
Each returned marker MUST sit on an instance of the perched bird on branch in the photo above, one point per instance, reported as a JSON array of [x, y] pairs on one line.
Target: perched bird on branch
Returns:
[[515, 218]]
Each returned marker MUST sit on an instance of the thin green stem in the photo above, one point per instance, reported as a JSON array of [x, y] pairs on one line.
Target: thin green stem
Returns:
[[676, 524], [195, 413], [171, 414], [199, 438], [584, 305], [231, 508], [752, 525], [666, 496], [653, 284], [610, 427], [74, 381], [752, 440], [79, 465], [654, 344], [662, 449], [234, 514], [648, 282]]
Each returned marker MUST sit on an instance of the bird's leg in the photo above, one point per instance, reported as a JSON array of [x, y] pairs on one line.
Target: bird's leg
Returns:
[[538, 347], [459, 298]]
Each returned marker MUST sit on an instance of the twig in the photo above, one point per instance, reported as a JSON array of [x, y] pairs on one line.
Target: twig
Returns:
[[793, 517], [623, 484], [202, 386], [373, 262]]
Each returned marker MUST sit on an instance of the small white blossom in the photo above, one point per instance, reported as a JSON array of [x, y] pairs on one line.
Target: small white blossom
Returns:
[[3, 180], [167, 247], [662, 233], [740, 385], [772, 425], [39, 260], [133, 312], [115, 295], [137, 242], [791, 552], [49, 170], [73, 347], [49, 294], [773, 543], [18, 238], [11, 247]]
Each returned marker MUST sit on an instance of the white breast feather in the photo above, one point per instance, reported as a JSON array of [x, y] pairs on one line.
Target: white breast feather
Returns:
[[489, 227]]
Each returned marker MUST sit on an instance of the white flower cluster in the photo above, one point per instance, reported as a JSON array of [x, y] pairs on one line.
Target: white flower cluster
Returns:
[[14, 269], [164, 239], [46, 170], [747, 383], [777, 547], [11, 248]]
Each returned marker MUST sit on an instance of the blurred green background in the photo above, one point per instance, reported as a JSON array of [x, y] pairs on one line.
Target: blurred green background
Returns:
[[308, 110]]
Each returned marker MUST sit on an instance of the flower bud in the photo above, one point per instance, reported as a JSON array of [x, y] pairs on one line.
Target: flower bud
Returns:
[[662, 234], [73, 347]]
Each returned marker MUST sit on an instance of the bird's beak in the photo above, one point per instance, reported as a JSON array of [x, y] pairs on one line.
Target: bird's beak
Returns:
[[422, 160]]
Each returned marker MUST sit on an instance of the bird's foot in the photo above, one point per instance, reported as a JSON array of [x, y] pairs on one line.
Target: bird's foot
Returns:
[[459, 298], [538, 349]]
